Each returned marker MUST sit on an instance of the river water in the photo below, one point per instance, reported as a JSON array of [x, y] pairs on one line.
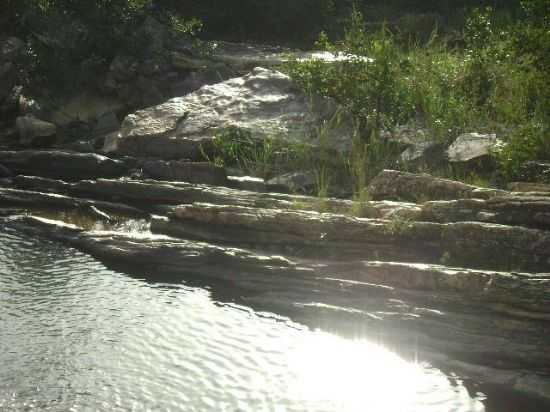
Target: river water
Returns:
[[75, 335]]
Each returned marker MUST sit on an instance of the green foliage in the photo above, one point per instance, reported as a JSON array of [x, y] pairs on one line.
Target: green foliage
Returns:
[[398, 226], [71, 41], [497, 82], [258, 157], [530, 141], [259, 20], [368, 83]]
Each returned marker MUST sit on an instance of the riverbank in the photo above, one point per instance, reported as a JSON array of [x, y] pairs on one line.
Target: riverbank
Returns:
[[237, 164]]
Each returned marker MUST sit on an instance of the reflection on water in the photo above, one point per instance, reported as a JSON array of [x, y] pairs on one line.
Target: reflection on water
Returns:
[[77, 336]]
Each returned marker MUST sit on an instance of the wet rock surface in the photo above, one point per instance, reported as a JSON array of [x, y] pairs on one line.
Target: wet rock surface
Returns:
[[61, 164], [461, 271], [491, 325], [426, 272]]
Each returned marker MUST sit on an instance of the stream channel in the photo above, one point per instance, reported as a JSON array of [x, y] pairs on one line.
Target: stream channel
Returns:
[[76, 335]]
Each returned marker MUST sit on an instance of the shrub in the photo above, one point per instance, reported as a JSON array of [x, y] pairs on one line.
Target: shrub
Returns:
[[71, 41]]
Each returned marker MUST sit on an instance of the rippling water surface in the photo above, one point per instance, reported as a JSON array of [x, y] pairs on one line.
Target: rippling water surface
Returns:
[[77, 336]]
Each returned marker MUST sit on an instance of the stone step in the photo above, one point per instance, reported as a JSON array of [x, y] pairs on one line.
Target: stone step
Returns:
[[413, 187], [62, 165], [307, 233]]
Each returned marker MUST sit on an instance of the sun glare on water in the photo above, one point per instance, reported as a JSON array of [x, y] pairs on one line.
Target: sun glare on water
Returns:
[[357, 375]]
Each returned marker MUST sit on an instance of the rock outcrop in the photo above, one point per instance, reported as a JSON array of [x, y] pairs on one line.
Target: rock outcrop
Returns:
[[471, 146], [264, 103], [396, 185], [191, 172], [309, 234], [63, 165], [156, 193], [488, 324], [529, 211], [32, 130]]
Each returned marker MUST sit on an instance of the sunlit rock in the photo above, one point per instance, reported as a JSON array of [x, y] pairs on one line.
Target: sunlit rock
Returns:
[[470, 146], [311, 234], [264, 103], [396, 185]]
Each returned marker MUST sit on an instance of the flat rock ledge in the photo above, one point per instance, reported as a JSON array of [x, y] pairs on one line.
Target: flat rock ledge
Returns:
[[490, 324], [155, 193], [412, 187], [307, 233], [62, 164]]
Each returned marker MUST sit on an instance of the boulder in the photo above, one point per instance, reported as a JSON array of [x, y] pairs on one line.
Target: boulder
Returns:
[[264, 103], [294, 182], [62, 165], [471, 146], [32, 130], [396, 185], [422, 155], [191, 172]]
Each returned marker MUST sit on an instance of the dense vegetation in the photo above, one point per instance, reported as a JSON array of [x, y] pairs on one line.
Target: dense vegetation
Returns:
[[496, 81], [446, 67]]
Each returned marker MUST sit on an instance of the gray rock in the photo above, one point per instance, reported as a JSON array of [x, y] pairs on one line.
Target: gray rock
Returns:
[[110, 142], [470, 146], [396, 185], [62, 165], [311, 234], [174, 193], [529, 187], [295, 182], [32, 130], [253, 184], [191, 172], [529, 211], [422, 155], [243, 57], [264, 103], [36, 201], [407, 135]]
